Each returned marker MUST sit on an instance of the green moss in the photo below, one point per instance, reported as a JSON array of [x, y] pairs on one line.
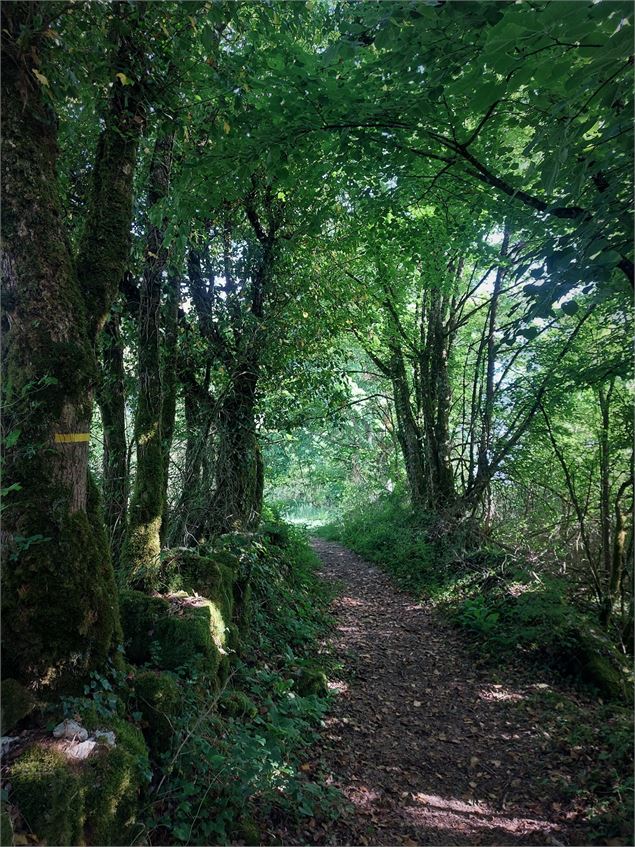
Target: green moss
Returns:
[[236, 704], [224, 668], [114, 781], [243, 605], [588, 656], [172, 635], [232, 641], [60, 614], [597, 663], [95, 800], [141, 550], [60, 617], [190, 635], [17, 703], [49, 795], [599, 672], [210, 576], [311, 681], [139, 616], [249, 832], [159, 701]]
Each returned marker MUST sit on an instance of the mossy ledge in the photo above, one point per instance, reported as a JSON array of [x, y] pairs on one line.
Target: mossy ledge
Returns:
[[94, 801]]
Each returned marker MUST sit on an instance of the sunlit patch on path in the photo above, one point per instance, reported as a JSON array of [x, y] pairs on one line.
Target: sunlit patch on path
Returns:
[[427, 748]]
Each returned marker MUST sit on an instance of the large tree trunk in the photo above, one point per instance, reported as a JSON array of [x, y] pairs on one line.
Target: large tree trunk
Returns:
[[437, 407], [408, 432], [189, 515], [60, 610], [60, 613], [169, 386], [111, 396], [198, 403], [142, 547], [489, 339], [237, 500], [105, 246]]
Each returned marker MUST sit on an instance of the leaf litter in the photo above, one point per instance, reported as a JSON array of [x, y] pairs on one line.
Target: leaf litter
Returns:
[[426, 745]]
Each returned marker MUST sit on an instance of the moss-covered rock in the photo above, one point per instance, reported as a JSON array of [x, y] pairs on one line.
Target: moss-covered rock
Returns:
[[49, 794], [311, 681], [601, 673], [139, 616], [237, 704], [210, 576], [224, 669], [276, 533], [191, 632], [113, 781], [17, 703], [587, 655], [173, 631], [596, 662], [232, 642], [94, 800], [159, 701]]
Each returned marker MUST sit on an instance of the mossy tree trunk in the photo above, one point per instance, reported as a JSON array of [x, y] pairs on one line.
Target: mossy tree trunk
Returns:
[[238, 344], [60, 613], [199, 408], [170, 384], [104, 249], [237, 500], [239, 482], [111, 396], [433, 394], [409, 432], [142, 545]]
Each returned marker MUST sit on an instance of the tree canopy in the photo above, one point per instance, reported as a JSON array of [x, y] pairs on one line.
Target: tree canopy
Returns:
[[307, 256]]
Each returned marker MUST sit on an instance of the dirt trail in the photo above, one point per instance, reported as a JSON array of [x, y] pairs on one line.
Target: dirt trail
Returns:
[[424, 745]]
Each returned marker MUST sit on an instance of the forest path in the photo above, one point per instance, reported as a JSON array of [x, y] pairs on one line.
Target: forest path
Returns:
[[428, 748]]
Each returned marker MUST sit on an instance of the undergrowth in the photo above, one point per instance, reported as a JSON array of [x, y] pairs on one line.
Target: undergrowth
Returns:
[[234, 763], [509, 611], [599, 737]]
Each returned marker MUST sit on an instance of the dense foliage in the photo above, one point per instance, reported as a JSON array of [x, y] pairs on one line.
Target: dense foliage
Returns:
[[328, 254]]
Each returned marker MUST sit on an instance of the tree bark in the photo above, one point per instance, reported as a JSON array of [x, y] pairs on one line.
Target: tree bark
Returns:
[[237, 500], [142, 546], [60, 613], [604, 398], [105, 245], [485, 445], [111, 396], [437, 407], [170, 384], [408, 432]]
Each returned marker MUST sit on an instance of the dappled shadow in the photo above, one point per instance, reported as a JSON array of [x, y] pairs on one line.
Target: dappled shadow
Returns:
[[427, 748]]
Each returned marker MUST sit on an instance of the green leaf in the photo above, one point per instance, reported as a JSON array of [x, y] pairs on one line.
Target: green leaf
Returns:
[[209, 38], [182, 831], [12, 438], [529, 332], [570, 307]]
